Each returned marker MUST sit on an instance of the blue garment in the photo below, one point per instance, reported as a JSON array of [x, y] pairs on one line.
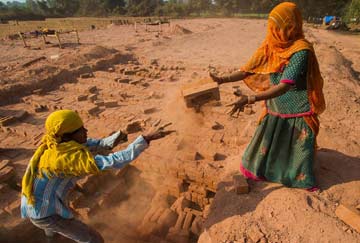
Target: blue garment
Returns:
[[328, 19], [50, 194]]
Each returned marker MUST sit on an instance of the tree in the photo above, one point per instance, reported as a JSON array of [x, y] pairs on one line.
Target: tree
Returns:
[[353, 11]]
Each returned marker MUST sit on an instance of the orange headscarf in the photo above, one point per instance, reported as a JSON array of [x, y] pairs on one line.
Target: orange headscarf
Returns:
[[284, 38]]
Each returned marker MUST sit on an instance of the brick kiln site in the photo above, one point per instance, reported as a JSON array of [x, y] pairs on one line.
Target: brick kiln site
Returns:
[[186, 187]]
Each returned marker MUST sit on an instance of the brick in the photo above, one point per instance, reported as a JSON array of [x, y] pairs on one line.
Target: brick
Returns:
[[122, 80], [157, 214], [4, 163], [111, 103], [188, 221], [219, 157], [349, 216], [180, 221], [240, 184], [7, 120], [92, 89], [197, 226], [180, 204], [86, 75], [148, 215], [201, 93], [14, 208], [82, 98], [6, 173], [92, 97], [94, 110], [136, 81], [198, 156], [150, 110], [129, 72], [193, 211], [99, 102]]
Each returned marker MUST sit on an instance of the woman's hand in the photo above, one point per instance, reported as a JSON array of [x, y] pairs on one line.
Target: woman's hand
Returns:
[[216, 78], [157, 133], [238, 105]]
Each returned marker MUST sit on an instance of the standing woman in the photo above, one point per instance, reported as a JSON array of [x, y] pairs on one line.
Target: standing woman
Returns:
[[283, 147]]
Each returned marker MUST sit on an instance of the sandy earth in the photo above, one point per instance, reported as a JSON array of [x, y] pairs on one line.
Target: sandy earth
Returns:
[[270, 212]]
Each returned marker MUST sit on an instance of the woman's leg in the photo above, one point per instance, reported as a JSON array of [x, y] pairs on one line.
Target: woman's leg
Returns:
[[69, 228]]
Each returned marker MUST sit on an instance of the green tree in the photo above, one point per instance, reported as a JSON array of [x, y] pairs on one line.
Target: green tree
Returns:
[[353, 11]]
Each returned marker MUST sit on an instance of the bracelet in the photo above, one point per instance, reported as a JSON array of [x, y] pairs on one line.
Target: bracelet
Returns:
[[251, 99], [225, 79]]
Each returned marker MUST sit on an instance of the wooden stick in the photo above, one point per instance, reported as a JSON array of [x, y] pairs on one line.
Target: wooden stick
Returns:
[[58, 38], [23, 39], [77, 36], [44, 38]]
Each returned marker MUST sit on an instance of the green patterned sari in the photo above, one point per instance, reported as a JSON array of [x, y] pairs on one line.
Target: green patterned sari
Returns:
[[282, 149]]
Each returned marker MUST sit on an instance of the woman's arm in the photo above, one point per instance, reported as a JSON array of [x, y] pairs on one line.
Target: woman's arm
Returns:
[[233, 77], [272, 92]]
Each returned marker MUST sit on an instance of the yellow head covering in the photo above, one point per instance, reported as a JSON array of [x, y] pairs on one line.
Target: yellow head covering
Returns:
[[284, 38], [54, 158]]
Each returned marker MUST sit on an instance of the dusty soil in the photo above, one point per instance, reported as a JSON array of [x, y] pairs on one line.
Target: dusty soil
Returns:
[[138, 78]]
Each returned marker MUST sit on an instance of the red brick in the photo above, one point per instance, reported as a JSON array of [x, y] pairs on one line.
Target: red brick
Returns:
[[240, 184], [14, 208], [188, 221], [6, 173], [111, 103], [4, 163], [82, 97], [201, 93], [8, 120]]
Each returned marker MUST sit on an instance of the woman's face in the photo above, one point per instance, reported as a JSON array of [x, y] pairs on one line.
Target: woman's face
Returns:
[[80, 135]]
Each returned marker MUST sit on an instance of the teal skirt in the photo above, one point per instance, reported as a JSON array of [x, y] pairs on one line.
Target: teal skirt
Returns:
[[282, 150]]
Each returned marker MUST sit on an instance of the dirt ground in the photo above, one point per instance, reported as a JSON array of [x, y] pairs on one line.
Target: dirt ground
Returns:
[[119, 76]]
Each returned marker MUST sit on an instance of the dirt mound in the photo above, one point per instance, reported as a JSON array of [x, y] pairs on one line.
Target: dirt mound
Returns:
[[86, 55], [179, 30], [98, 52]]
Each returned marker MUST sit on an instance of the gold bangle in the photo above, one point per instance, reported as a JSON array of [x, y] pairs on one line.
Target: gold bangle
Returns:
[[251, 99]]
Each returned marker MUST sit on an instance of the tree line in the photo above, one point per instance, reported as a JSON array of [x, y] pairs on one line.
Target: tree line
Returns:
[[33, 9]]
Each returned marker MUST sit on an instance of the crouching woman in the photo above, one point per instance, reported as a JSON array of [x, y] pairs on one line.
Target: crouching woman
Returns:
[[58, 162]]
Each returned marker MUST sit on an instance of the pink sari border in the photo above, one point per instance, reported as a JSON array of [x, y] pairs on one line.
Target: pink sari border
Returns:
[[287, 81], [249, 175], [309, 113]]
